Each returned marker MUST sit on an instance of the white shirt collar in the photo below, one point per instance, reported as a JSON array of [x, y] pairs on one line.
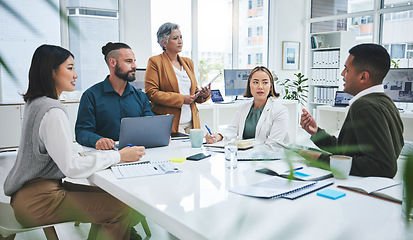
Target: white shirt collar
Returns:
[[373, 89]]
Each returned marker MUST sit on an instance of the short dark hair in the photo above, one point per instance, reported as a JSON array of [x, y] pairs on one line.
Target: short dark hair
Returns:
[[372, 58], [272, 92], [110, 46], [46, 59]]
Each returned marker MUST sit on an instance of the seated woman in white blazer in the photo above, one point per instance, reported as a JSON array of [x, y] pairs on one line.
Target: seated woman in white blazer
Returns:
[[264, 118]]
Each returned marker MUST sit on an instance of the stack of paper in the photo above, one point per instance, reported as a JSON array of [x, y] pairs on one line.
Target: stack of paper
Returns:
[[276, 187], [242, 144], [139, 169]]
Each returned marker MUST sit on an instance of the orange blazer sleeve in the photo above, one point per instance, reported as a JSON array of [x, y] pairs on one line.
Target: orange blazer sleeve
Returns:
[[161, 84]]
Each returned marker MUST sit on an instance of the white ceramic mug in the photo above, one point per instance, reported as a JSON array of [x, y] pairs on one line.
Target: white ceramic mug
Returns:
[[196, 136], [340, 166]]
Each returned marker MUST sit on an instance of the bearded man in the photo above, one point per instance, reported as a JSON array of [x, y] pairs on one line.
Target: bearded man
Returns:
[[103, 105]]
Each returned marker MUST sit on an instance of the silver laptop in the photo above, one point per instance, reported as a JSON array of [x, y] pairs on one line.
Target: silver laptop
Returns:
[[150, 131]]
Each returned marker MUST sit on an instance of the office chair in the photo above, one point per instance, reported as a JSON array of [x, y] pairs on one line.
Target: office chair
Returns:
[[9, 225]]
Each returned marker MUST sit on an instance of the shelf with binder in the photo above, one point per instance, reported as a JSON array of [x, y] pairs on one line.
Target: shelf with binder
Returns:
[[325, 58], [329, 51], [324, 95], [325, 76]]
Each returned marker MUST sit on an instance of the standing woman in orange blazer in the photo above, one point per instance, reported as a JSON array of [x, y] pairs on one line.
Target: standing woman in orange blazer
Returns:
[[170, 81]]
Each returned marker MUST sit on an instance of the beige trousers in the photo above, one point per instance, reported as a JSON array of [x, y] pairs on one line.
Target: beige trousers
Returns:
[[44, 201], [185, 127]]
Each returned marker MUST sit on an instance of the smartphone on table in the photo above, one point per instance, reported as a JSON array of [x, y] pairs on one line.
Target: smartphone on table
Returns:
[[198, 156]]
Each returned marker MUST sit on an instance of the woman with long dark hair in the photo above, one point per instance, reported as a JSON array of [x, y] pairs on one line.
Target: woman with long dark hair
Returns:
[[47, 155]]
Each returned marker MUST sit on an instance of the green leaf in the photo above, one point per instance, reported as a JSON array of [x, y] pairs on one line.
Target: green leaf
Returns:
[[32, 28], [8, 70], [408, 186]]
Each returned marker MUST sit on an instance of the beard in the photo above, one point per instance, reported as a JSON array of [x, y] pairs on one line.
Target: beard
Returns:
[[124, 75]]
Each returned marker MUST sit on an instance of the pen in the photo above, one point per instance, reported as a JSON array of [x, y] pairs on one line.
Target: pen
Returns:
[[209, 130], [129, 145], [295, 169]]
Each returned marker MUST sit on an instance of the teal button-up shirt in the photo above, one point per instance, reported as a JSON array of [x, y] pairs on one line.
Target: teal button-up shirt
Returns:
[[102, 108]]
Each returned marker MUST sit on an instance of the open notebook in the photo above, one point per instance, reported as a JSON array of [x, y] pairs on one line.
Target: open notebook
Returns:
[[385, 188]]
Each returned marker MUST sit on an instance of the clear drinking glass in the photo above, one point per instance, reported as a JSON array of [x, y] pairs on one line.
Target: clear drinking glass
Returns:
[[231, 160]]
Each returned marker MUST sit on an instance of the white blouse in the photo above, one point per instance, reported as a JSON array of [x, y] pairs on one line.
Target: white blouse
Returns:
[[184, 83], [56, 139]]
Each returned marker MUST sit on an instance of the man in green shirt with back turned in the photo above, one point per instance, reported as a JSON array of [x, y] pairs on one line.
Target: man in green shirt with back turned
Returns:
[[372, 132]]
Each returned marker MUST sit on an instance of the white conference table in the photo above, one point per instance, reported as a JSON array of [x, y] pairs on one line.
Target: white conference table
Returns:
[[196, 204]]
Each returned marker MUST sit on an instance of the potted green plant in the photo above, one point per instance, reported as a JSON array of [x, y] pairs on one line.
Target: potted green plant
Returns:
[[295, 89]]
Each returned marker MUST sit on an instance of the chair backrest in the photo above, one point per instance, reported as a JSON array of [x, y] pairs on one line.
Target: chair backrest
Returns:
[[8, 223]]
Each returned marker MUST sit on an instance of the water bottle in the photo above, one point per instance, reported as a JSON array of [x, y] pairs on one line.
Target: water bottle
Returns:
[[231, 160]]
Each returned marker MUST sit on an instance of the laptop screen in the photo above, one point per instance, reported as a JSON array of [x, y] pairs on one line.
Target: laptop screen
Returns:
[[216, 96], [342, 99]]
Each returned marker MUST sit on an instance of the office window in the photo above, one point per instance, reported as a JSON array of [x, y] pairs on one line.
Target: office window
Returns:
[[363, 26], [393, 33], [397, 51], [249, 59], [177, 11], [18, 42], [98, 23], [259, 31], [255, 18], [399, 40], [409, 52], [214, 40], [215, 35], [321, 8], [396, 3], [98, 13], [258, 59]]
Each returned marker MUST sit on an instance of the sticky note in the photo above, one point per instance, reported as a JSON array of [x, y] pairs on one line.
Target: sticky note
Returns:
[[300, 174], [177, 159], [332, 194]]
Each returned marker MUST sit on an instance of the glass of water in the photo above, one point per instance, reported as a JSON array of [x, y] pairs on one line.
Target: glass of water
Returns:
[[231, 160]]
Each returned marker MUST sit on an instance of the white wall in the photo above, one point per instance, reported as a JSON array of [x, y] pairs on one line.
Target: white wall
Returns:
[[287, 23], [135, 28]]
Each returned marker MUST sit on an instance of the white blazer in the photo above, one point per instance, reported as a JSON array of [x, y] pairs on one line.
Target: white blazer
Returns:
[[272, 125]]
